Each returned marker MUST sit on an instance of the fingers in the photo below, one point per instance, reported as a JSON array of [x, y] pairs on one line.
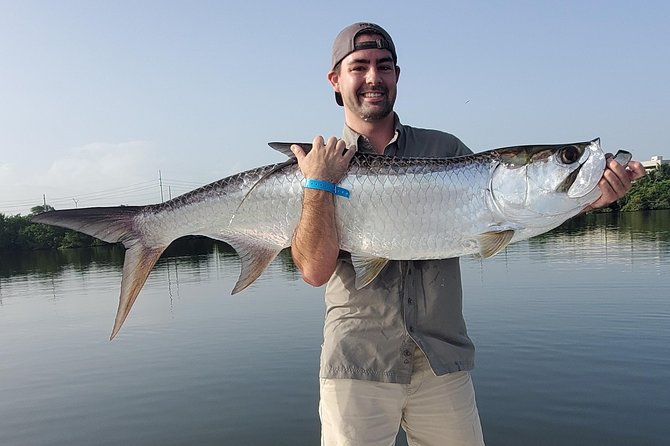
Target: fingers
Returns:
[[334, 150], [347, 152], [635, 170], [327, 160], [614, 184], [334, 147], [317, 142], [617, 180], [617, 177], [298, 151], [332, 142]]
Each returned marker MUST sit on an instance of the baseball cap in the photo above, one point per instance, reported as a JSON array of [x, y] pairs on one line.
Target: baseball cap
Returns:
[[345, 44]]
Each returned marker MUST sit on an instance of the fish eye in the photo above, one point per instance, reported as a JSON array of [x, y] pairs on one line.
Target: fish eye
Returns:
[[569, 154]]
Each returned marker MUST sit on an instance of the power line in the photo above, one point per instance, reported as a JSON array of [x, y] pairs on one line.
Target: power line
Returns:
[[138, 193]]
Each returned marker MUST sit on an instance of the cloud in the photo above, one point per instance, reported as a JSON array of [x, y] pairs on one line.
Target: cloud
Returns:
[[96, 174]]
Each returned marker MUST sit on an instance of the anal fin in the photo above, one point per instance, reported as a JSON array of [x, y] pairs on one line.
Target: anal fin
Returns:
[[254, 259]]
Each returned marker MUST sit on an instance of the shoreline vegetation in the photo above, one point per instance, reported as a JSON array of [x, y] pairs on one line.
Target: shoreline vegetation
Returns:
[[18, 233]]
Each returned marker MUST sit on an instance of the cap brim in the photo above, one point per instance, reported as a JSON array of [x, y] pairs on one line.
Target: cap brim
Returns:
[[338, 99]]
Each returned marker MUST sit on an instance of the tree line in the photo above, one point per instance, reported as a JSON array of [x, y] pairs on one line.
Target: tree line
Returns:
[[649, 193], [19, 233]]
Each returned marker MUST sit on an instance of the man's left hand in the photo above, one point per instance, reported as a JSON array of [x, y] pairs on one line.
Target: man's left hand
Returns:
[[616, 181]]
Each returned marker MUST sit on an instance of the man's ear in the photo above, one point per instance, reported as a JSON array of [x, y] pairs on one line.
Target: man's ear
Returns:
[[397, 73], [334, 80]]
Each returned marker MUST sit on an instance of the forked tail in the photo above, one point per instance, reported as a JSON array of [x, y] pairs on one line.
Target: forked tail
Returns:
[[113, 225]]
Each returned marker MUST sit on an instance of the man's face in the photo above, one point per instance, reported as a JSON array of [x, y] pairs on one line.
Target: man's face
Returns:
[[367, 82]]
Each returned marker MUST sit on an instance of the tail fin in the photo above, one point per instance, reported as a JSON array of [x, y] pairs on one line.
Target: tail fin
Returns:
[[113, 224]]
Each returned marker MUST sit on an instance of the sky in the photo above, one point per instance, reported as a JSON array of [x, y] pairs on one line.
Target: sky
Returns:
[[104, 103]]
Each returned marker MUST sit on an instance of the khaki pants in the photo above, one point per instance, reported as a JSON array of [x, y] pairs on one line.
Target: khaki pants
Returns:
[[433, 410]]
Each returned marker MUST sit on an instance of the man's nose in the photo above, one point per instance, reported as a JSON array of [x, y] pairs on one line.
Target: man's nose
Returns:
[[372, 77]]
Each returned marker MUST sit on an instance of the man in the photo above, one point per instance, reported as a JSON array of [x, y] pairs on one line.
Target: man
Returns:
[[396, 352]]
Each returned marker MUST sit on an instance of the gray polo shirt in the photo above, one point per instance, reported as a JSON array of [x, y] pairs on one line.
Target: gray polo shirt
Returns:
[[371, 333]]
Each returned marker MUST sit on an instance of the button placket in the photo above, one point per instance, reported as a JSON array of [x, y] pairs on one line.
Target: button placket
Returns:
[[409, 313]]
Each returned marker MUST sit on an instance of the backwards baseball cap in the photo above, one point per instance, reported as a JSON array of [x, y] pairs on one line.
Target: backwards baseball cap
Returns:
[[345, 44]]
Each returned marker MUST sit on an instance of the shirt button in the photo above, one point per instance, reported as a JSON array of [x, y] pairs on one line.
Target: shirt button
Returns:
[[406, 361], [409, 301], [411, 329], [407, 353]]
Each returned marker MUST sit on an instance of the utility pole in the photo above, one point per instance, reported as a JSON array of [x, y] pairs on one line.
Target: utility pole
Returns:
[[160, 182]]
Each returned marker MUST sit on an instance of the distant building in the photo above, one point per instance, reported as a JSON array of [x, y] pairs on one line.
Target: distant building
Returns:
[[654, 162]]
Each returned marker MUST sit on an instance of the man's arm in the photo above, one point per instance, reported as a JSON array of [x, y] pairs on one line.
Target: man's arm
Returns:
[[315, 244], [616, 182]]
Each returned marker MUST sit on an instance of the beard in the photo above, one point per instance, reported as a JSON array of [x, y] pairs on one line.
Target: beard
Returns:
[[377, 111]]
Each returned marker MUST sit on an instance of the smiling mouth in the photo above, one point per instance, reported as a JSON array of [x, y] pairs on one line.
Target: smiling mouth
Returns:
[[373, 95]]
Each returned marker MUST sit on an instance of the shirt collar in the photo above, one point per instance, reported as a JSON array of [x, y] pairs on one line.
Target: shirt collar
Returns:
[[352, 138]]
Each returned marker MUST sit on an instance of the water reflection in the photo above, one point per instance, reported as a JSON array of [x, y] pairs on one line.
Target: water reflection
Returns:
[[634, 241], [623, 238], [53, 262], [191, 253], [649, 224], [570, 327]]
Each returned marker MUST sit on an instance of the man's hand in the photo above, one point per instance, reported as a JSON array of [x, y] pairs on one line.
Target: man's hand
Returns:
[[315, 244], [616, 181], [326, 162]]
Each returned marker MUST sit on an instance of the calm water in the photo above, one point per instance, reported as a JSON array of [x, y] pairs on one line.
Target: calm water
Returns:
[[572, 330]]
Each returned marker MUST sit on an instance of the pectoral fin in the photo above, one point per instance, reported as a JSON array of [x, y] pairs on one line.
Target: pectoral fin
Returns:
[[491, 243], [367, 268]]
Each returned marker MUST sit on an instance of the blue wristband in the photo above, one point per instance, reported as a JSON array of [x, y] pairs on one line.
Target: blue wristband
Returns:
[[328, 187]]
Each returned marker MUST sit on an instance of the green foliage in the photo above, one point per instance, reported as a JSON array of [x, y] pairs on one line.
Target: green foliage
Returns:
[[19, 233], [72, 239], [41, 236], [10, 228], [649, 193], [39, 209]]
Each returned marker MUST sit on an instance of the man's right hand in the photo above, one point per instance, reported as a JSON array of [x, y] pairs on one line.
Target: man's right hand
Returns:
[[327, 161]]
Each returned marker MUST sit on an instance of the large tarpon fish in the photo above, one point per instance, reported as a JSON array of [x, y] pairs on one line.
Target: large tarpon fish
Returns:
[[398, 209]]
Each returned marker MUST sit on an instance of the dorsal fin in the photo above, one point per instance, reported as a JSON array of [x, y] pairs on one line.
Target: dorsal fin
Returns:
[[285, 147]]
